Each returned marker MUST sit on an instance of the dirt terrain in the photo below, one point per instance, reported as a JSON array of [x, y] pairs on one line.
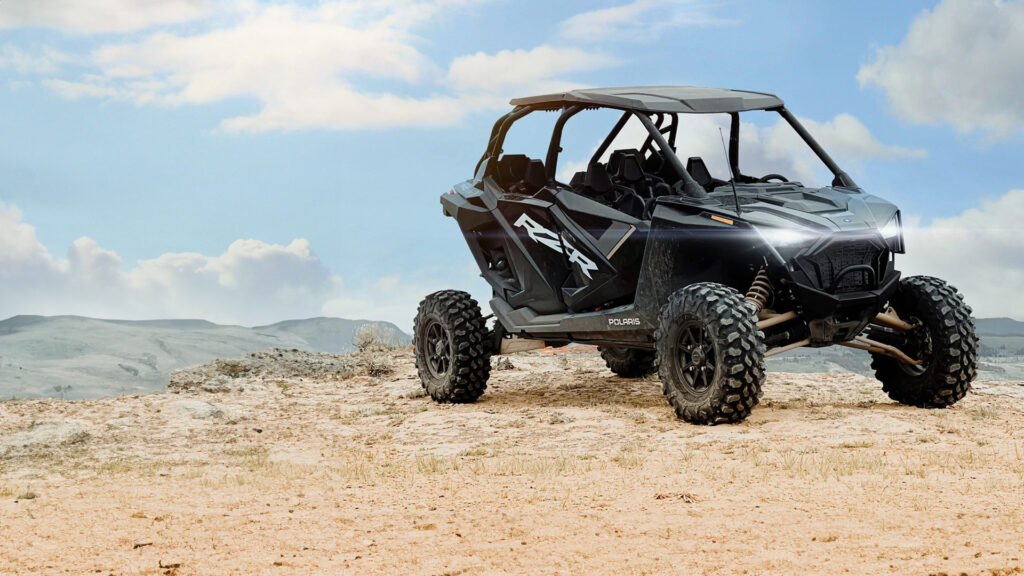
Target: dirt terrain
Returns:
[[292, 463]]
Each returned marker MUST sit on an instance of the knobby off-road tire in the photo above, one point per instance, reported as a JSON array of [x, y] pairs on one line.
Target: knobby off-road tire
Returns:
[[945, 342], [629, 362], [453, 351], [710, 354]]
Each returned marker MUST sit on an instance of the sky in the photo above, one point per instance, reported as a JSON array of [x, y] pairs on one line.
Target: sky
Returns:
[[248, 162]]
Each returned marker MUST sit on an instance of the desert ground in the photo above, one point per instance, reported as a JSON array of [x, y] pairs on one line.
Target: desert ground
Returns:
[[295, 463]]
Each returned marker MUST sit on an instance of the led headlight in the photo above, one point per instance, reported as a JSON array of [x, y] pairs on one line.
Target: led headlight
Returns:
[[785, 237], [892, 232]]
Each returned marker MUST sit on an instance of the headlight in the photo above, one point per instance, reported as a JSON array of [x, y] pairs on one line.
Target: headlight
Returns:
[[892, 232], [784, 237]]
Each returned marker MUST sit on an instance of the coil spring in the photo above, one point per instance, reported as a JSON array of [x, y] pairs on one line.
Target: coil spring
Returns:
[[761, 292]]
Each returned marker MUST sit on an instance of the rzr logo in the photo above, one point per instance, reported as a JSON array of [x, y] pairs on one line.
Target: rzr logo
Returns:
[[548, 238]]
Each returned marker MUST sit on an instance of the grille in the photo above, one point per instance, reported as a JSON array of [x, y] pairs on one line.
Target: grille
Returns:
[[834, 258]]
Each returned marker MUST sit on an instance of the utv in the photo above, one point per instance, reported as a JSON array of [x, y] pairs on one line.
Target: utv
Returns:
[[670, 269]]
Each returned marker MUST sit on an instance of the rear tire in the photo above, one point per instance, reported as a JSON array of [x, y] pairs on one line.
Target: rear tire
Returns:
[[945, 342], [629, 362], [453, 351], [710, 354]]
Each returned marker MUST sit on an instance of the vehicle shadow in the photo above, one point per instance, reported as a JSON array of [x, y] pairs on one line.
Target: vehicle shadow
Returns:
[[575, 390]]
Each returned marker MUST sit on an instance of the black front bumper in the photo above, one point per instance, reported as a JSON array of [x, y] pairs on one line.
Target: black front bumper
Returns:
[[816, 303], [846, 275]]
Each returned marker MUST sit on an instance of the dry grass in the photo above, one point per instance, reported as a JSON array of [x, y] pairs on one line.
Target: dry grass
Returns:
[[560, 468]]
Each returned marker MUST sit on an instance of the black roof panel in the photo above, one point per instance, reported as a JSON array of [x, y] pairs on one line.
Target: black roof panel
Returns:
[[671, 99]]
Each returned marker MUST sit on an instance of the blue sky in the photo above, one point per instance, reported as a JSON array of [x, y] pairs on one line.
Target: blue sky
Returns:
[[139, 141]]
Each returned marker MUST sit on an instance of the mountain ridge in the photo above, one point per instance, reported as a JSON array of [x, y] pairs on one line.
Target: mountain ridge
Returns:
[[80, 357]]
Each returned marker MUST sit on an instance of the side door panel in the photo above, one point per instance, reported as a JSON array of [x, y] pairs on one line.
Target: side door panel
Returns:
[[535, 251], [605, 247]]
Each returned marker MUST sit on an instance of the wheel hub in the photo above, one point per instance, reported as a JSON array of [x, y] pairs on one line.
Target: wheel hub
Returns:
[[696, 356], [437, 344]]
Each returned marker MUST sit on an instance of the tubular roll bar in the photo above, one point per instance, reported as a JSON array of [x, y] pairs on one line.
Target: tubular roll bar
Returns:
[[690, 186], [841, 178]]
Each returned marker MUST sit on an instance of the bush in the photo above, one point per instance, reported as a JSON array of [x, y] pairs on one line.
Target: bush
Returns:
[[374, 337], [375, 345]]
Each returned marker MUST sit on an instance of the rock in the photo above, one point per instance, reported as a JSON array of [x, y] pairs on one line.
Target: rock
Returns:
[[231, 375], [53, 433], [196, 409]]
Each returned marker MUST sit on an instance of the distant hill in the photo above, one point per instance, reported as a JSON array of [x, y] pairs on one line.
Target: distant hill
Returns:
[[86, 358], [999, 327], [1001, 349], [327, 334]]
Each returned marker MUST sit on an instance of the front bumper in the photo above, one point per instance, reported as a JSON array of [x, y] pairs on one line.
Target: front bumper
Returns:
[[817, 303]]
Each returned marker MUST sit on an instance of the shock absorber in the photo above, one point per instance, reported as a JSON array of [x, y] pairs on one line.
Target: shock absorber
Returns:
[[761, 292]]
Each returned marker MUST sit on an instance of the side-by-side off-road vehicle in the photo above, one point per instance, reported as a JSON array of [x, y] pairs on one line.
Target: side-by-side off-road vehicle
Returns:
[[669, 268]]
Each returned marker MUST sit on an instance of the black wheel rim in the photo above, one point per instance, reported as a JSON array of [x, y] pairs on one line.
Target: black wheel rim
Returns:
[[437, 348], [696, 357], [919, 347]]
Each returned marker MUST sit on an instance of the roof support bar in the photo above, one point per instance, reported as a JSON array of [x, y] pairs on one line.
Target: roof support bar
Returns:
[[841, 178], [498, 135], [690, 186], [610, 138], [551, 162], [734, 143]]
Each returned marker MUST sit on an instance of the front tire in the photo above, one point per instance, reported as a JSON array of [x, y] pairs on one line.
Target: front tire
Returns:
[[710, 354], [453, 351], [945, 342], [629, 362]]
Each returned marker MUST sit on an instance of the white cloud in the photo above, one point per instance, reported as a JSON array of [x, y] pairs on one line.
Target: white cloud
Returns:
[[99, 16], [251, 283], [978, 251], [490, 79], [44, 60], [767, 149], [960, 64], [307, 65], [638, 21]]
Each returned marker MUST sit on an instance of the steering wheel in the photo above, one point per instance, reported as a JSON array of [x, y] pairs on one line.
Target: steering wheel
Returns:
[[770, 177]]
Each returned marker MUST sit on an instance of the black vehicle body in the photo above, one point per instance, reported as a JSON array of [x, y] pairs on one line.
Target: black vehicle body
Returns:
[[595, 260]]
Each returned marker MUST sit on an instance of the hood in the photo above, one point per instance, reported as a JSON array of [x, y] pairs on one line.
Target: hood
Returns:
[[818, 209]]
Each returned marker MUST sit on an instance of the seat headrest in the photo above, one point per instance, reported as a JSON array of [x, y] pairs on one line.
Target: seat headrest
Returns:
[[536, 176], [698, 170], [654, 163], [512, 168], [630, 169], [615, 159], [597, 179]]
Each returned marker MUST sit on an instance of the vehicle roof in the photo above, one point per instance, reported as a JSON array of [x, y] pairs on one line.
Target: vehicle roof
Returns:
[[669, 99]]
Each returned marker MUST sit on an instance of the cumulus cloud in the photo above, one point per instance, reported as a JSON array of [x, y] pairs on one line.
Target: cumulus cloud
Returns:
[[99, 16], [528, 72], [637, 21], [250, 283], [978, 251], [765, 149], [961, 63], [44, 60], [307, 66]]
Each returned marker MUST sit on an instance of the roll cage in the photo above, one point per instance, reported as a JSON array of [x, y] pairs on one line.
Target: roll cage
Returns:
[[662, 128]]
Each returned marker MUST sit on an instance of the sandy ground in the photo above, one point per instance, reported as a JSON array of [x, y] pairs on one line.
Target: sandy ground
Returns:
[[561, 468]]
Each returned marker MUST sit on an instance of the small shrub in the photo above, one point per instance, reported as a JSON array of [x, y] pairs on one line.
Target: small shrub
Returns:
[[416, 393], [378, 363], [375, 345], [559, 418], [371, 337]]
